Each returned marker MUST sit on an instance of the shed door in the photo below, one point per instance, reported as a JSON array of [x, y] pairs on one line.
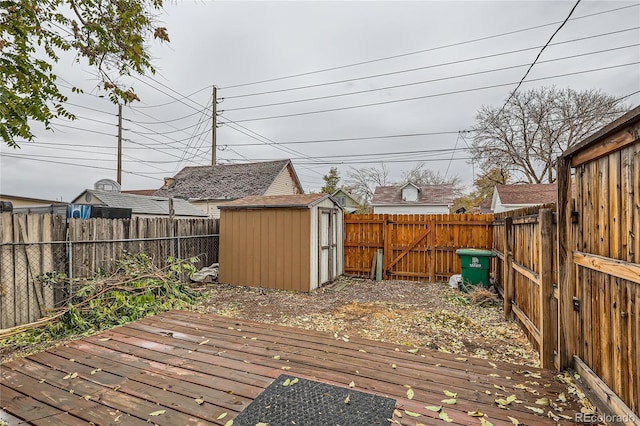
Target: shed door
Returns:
[[328, 247]]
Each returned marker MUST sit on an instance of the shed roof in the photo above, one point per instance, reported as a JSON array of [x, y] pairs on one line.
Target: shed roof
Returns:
[[300, 201], [431, 195], [226, 181], [528, 193], [140, 204]]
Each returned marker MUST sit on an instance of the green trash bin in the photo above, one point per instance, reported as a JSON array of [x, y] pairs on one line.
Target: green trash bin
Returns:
[[475, 267]]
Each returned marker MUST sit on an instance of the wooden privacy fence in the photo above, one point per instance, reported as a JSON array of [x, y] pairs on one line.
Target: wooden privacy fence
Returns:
[[599, 251], [32, 245], [415, 247], [96, 243], [524, 241]]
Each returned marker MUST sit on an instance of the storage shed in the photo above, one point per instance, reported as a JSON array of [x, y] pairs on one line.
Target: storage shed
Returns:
[[290, 242]]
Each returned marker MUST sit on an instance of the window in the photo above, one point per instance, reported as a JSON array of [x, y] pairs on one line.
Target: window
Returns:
[[342, 200]]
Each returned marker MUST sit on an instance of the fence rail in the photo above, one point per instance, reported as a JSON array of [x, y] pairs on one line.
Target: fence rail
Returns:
[[415, 247], [34, 248], [524, 241]]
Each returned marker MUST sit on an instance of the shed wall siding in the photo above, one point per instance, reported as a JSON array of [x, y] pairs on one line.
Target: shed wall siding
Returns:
[[283, 184], [266, 248]]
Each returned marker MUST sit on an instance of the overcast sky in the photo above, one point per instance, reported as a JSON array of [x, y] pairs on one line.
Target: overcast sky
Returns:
[[338, 48]]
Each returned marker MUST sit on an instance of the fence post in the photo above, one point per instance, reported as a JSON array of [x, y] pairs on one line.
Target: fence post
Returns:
[[546, 326], [388, 251], [508, 285]]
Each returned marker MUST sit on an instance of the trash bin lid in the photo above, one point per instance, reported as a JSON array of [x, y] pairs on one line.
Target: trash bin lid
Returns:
[[475, 252]]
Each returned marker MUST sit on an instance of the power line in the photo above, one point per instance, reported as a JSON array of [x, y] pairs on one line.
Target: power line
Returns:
[[442, 64], [538, 56], [424, 50], [74, 165], [430, 96], [429, 81]]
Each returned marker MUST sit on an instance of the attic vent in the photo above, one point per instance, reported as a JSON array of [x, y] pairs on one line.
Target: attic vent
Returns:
[[107, 185]]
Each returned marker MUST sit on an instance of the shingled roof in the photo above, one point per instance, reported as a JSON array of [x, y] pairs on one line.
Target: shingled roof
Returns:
[[226, 181], [433, 195], [140, 204], [276, 201], [528, 193]]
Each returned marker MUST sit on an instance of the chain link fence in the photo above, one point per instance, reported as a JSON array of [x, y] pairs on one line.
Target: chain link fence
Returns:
[[38, 277]]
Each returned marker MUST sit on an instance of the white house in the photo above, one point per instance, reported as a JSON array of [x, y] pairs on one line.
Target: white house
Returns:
[[518, 196], [413, 199]]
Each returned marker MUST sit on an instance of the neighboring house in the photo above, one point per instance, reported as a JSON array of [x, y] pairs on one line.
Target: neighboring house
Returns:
[[346, 200], [140, 205], [19, 201], [412, 199], [517, 196], [207, 187]]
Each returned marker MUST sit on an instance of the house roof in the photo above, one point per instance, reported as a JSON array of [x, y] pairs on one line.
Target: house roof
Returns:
[[147, 192], [140, 204], [226, 181], [299, 201], [430, 195], [528, 193], [27, 199], [347, 193]]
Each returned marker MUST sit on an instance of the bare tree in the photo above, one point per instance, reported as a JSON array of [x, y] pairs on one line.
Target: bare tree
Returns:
[[419, 175], [362, 182], [525, 137]]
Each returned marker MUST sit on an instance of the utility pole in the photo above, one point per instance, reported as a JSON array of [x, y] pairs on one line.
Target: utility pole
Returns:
[[214, 126], [119, 177]]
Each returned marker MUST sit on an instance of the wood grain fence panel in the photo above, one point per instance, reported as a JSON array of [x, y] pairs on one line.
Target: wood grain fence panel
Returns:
[[430, 258]]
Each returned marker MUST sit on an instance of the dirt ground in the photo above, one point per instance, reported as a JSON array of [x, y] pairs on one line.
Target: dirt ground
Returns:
[[402, 312]]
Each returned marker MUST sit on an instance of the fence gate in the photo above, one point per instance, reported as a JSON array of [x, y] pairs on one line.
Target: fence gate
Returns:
[[408, 248]]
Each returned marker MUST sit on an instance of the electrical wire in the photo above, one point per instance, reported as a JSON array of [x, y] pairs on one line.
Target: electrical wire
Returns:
[[494, 86], [442, 64], [538, 56], [472, 74], [425, 50]]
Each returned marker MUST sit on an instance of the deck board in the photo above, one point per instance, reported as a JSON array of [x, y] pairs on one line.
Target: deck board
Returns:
[[170, 361]]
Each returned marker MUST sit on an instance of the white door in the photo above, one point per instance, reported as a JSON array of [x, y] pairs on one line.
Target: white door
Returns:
[[327, 246]]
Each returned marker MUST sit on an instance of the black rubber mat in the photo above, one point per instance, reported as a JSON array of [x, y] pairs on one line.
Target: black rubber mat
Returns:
[[309, 403]]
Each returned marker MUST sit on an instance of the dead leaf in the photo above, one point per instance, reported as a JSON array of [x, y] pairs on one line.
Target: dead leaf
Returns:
[[347, 399], [444, 417], [485, 422], [410, 393], [199, 401], [104, 339], [515, 421], [229, 423], [434, 408], [352, 384], [222, 416], [276, 357], [450, 401], [157, 413], [286, 382], [543, 401], [411, 413], [535, 409], [397, 413], [476, 413], [450, 394], [204, 342], [413, 351]]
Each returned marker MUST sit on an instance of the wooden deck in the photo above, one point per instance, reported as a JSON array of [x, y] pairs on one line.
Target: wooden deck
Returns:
[[190, 368]]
